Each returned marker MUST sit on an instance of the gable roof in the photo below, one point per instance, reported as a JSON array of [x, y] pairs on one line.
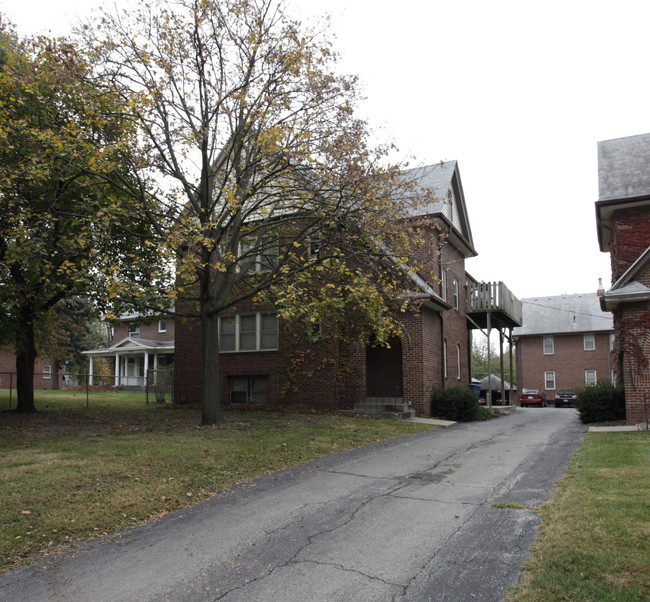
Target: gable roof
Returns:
[[623, 180], [628, 288], [434, 182], [563, 314], [132, 344]]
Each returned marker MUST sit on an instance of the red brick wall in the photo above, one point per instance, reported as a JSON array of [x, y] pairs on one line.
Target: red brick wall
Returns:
[[569, 361], [306, 373], [147, 331], [631, 237], [8, 365]]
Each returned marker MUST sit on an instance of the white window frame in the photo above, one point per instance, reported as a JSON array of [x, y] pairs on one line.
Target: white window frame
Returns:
[[444, 358], [47, 372], [134, 330], [590, 381], [259, 333], [612, 341], [458, 361], [549, 379], [549, 349], [313, 248], [589, 341], [455, 294], [162, 326], [443, 284]]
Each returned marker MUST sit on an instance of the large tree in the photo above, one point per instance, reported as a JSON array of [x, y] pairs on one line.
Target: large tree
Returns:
[[64, 230], [249, 138]]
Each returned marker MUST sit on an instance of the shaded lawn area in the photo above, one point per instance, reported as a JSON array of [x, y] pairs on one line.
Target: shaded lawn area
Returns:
[[71, 473], [594, 541]]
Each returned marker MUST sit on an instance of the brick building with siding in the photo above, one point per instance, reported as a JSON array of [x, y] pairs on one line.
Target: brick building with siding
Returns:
[[263, 361], [623, 222], [565, 342]]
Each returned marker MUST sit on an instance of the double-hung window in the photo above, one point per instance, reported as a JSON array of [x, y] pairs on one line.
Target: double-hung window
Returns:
[[549, 346], [590, 342], [455, 294], [443, 284], [590, 377], [266, 255], [549, 380], [248, 332]]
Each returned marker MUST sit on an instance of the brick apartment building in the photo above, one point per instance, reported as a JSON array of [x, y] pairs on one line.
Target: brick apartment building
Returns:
[[566, 342], [623, 221], [259, 352]]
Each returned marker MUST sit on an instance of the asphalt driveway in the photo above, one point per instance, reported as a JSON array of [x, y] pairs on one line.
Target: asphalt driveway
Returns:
[[443, 515]]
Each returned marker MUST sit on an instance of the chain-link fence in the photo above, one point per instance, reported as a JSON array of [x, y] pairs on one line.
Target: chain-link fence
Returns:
[[156, 388]]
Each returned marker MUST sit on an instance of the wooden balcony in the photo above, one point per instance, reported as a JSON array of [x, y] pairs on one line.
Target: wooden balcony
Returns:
[[493, 300]]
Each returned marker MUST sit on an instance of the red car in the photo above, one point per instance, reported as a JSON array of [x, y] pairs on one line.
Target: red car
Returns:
[[532, 397]]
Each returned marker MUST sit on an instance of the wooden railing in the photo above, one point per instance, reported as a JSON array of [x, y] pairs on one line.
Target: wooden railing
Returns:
[[491, 297]]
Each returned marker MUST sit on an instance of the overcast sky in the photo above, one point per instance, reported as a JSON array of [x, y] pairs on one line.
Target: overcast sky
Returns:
[[517, 91]]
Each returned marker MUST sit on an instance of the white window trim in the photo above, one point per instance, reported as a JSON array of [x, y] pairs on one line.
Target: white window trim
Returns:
[[443, 284], [595, 380], [444, 357], [592, 337], [162, 326], [458, 361], [259, 264], [549, 375], [47, 372], [455, 294], [552, 346], [258, 333]]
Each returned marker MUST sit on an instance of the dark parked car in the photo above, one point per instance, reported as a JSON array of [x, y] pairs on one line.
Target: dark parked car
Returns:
[[565, 398], [532, 397]]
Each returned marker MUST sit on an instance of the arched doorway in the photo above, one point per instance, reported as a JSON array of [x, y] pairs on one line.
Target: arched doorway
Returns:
[[384, 370]]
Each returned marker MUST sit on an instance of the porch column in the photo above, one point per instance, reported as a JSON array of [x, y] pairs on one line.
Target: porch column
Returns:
[[146, 366], [90, 376], [117, 369]]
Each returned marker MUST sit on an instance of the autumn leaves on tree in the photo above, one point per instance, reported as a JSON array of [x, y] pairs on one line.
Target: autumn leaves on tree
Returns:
[[213, 139]]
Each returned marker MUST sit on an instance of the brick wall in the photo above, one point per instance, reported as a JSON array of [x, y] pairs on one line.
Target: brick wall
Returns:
[[569, 361], [631, 236], [147, 331]]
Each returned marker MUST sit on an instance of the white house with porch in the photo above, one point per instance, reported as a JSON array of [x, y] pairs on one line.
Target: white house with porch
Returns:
[[137, 348]]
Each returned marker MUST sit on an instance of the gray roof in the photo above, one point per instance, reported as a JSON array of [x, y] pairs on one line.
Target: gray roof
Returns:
[[433, 182], [563, 314], [623, 168], [494, 382]]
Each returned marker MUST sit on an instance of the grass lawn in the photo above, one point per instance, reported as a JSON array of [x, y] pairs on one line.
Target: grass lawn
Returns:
[[70, 472], [594, 541]]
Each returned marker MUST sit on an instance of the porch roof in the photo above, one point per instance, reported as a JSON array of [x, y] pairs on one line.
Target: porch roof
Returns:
[[131, 345]]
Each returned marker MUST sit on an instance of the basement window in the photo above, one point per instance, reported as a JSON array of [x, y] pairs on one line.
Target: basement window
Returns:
[[248, 390]]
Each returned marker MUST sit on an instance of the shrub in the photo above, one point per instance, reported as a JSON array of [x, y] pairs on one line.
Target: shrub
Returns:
[[601, 403], [457, 404]]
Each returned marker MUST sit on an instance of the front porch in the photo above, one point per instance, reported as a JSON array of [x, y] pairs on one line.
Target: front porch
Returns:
[[132, 359]]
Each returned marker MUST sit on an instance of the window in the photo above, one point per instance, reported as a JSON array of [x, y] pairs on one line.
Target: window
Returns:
[[549, 346], [313, 248], [455, 294], [612, 339], [134, 331], [162, 326], [443, 284], [590, 377], [444, 358], [248, 389], [267, 253], [458, 362], [248, 332], [590, 342], [47, 372], [549, 380]]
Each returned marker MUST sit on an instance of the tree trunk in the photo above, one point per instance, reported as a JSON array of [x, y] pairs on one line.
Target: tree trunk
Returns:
[[25, 358], [211, 404]]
